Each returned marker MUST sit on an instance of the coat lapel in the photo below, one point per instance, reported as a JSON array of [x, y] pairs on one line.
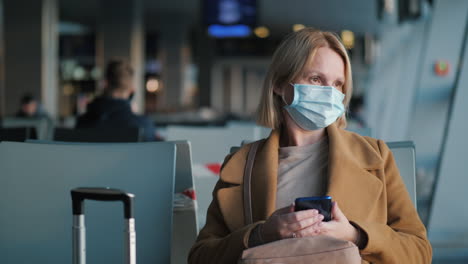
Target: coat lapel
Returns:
[[230, 198], [350, 182]]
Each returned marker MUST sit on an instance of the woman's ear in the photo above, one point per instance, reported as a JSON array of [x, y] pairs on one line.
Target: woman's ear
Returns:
[[277, 91]]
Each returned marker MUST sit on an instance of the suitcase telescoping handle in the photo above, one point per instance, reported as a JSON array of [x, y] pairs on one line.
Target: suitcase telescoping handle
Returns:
[[79, 232]]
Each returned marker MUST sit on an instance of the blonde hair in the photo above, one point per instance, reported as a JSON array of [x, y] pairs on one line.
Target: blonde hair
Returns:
[[287, 64]]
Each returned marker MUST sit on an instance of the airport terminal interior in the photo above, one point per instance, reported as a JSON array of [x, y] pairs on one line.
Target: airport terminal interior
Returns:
[[195, 71]]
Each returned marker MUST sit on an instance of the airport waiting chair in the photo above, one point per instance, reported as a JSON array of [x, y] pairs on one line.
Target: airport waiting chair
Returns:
[[210, 144], [42, 125], [248, 128], [35, 185], [123, 134], [185, 221], [18, 134]]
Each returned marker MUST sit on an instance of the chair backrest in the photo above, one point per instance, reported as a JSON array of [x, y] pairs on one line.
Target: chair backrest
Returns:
[[184, 177], [249, 128], [35, 202], [210, 144], [124, 134], [183, 171], [42, 125], [201, 138], [185, 220], [185, 228], [363, 131], [405, 158], [19, 134]]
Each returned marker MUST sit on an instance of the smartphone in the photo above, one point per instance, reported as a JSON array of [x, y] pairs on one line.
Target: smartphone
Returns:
[[321, 203]]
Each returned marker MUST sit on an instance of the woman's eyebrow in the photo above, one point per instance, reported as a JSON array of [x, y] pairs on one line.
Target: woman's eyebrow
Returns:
[[310, 72], [340, 79]]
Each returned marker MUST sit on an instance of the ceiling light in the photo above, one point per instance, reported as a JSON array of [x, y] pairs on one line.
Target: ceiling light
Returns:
[[262, 32], [152, 85], [297, 27], [347, 37]]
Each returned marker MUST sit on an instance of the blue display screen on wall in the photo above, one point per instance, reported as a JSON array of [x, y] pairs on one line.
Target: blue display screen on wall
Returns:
[[230, 12]]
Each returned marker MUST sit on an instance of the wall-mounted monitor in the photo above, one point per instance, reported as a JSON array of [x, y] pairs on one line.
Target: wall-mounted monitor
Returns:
[[229, 18]]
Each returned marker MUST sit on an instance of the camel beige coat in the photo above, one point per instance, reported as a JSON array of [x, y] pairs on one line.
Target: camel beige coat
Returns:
[[363, 179]]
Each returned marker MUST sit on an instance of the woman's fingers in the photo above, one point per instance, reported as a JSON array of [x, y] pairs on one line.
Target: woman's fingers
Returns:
[[273, 228], [305, 223], [339, 227], [312, 230], [288, 224], [295, 217], [285, 223], [300, 224], [285, 210]]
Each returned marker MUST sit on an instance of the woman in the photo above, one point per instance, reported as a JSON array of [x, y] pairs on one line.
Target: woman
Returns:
[[309, 153]]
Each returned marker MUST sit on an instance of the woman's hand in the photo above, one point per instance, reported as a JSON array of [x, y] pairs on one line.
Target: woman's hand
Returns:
[[285, 223], [339, 227]]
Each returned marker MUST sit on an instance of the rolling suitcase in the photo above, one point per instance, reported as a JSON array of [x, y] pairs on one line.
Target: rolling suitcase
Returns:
[[79, 232]]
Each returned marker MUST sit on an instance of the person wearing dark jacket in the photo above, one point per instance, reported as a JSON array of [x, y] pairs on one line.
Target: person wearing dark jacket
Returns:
[[30, 108], [113, 108]]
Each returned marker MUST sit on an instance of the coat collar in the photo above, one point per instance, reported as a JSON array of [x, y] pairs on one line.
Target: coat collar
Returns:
[[351, 157]]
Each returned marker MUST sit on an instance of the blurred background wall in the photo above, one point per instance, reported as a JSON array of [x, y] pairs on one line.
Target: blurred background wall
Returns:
[[205, 60]]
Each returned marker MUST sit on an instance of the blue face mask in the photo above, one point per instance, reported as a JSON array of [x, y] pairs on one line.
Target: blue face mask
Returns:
[[315, 106]]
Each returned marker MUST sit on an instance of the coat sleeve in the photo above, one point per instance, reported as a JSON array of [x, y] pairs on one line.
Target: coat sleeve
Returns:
[[403, 238], [216, 243]]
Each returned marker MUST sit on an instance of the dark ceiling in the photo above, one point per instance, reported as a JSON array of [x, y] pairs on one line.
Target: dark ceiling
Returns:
[[279, 15]]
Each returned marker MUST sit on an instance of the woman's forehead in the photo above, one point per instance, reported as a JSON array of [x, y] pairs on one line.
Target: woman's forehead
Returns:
[[326, 62]]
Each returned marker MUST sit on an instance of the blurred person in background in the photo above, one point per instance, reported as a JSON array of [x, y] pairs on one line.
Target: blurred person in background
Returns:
[[113, 109], [309, 153], [30, 108]]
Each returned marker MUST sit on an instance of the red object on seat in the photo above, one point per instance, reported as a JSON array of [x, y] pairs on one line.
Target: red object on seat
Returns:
[[190, 193], [214, 167]]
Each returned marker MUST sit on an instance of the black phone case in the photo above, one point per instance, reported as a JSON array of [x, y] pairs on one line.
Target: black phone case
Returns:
[[323, 206]]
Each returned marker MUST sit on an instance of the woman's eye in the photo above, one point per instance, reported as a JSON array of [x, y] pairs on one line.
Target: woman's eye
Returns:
[[315, 79]]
